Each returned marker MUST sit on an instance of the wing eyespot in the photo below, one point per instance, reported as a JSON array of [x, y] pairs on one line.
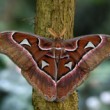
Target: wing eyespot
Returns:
[[26, 42], [89, 44], [68, 65], [44, 64]]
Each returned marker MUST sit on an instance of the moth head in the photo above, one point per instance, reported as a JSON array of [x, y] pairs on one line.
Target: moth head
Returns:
[[56, 35]]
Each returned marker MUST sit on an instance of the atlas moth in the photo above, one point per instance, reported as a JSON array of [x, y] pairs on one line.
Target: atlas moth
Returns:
[[55, 67]]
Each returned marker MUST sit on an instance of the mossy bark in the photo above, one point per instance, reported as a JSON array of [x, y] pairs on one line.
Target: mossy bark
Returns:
[[55, 14]]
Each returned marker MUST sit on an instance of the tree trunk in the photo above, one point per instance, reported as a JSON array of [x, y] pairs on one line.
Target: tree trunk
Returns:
[[55, 14]]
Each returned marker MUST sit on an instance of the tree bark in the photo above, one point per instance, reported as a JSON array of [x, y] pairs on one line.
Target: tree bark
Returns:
[[55, 14]]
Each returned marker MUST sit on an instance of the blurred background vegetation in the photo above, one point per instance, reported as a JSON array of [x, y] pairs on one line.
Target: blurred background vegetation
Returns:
[[92, 16]]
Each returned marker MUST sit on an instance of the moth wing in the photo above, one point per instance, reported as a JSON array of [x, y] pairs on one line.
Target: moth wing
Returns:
[[28, 51], [83, 55]]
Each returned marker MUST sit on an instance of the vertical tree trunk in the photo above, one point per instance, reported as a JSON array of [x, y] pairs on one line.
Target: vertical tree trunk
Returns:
[[55, 14]]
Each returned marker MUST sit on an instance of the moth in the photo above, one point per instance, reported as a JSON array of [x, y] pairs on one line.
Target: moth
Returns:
[[55, 67]]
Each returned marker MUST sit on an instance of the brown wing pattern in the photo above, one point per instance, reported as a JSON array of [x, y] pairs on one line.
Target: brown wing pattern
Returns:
[[55, 68], [82, 58], [29, 53]]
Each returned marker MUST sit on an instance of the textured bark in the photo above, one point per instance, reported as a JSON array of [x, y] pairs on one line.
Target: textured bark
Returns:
[[55, 14]]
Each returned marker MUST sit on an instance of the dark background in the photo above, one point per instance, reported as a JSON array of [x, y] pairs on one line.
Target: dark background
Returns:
[[92, 17]]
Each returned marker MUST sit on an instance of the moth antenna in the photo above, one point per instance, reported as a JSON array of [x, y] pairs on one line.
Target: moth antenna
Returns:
[[63, 32], [53, 33]]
